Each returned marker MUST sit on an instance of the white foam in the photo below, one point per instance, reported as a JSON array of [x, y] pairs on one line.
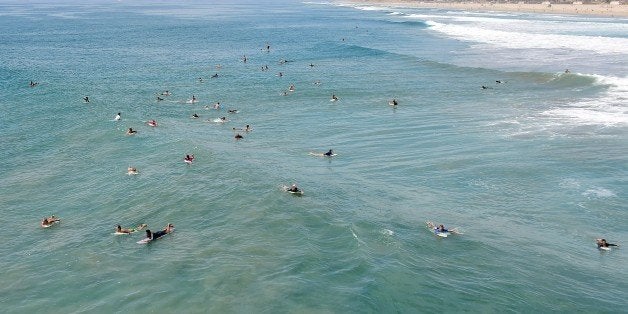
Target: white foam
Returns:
[[610, 109], [526, 40], [598, 192]]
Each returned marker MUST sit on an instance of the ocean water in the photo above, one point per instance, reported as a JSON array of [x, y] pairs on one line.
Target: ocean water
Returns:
[[532, 170]]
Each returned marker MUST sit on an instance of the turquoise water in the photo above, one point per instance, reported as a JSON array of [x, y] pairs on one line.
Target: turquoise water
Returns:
[[532, 170]]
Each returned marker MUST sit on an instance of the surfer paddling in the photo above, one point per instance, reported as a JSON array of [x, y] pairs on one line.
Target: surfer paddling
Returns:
[[49, 221]]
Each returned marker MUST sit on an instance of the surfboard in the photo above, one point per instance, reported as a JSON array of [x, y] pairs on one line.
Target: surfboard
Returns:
[[604, 248], [144, 241], [50, 225], [322, 154]]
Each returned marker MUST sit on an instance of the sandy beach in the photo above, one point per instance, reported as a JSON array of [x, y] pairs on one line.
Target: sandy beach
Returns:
[[606, 10]]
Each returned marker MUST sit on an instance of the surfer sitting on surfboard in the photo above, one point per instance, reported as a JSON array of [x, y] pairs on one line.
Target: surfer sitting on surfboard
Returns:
[[329, 153], [188, 158], [602, 243], [47, 222], [130, 131]]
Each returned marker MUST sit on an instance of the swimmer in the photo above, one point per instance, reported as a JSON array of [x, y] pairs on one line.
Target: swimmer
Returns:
[[48, 221], [238, 136], [152, 123], [131, 170], [195, 116], [602, 243], [329, 153], [130, 131], [118, 117], [86, 99]]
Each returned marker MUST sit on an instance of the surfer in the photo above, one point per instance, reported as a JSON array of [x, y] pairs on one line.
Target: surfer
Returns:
[[124, 230], [152, 123], [193, 98], [215, 75], [189, 158], [118, 117], [329, 153], [440, 228], [48, 221], [86, 99], [130, 131], [33, 84], [248, 128], [602, 243], [195, 116], [333, 97], [291, 88], [131, 170], [156, 235], [217, 106], [393, 102], [238, 136], [165, 93], [232, 111], [159, 98], [293, 188]]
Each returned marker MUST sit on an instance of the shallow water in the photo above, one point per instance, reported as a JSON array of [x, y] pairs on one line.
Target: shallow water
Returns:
[[532, 170]]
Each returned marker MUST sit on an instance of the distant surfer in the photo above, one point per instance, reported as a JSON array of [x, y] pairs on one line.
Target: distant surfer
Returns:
[[293, 188], [131, 170], [152, 123], [291, 88], [215, 75], [334, 98], [329, 153], [86, 99], [232, 111], [195, 116], [567, 71], [156, 235], [118, 117], [124, 230], [189, 158], [601, 243], [393, 102], [130, 131], [49, 221], [238, 136], [165, 93], [159, 98], [33, 84]]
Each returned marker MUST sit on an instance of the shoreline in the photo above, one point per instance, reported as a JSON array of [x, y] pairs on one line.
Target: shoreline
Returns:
[[600, 10]]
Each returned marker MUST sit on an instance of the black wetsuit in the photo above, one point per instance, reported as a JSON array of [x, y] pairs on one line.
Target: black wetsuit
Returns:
[[158, 234]]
